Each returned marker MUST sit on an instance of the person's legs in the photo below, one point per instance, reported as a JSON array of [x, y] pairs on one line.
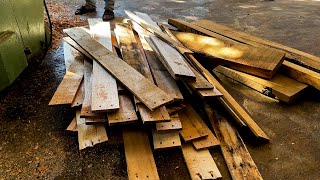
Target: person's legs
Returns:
[[108, 10], [90, 6]]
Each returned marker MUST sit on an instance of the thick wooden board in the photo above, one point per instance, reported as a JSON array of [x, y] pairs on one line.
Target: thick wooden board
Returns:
[[240, 164], [259, 61], [200, 83], [125, 114], [305, 59], [141, 87], [200, 163], [209, 93], [139, 157], [104, 86], [301, 74], [284, 88], [231, 102], [173, 60], [166, 139], [96, 121], [70, 83], [73, 125], [190, 130], [158, 115], [79, 97], [90, 135], [173, 124], [174, 108]]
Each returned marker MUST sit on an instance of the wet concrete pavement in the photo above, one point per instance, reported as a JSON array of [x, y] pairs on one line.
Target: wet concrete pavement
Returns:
[[34, 143]]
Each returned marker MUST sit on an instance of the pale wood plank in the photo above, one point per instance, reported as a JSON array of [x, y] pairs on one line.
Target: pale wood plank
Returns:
[[200, 163], [73, 125], [166, 139], [141, 87], [139, 157], [79, 97], [173, 124], [148, 19]]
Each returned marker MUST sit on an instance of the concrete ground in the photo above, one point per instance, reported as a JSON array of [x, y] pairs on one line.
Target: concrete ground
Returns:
[[35, 145]]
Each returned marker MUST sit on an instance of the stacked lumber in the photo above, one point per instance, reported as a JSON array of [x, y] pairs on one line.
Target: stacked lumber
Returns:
[[146, 79]]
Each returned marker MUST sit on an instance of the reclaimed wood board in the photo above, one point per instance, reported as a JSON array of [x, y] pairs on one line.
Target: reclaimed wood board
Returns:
[[96, 121], [190, 131], [305, 59], [90, 135], [209, 93], [173, 124], [79, 97], [175, 107], [260, 61], [77, 47], [166, 139], [73, 125], [200, 163], [280, 86], [139, 157], [158, 115], [239, 161], [148, 19], [173, 60], [231, 102], [141, 87]]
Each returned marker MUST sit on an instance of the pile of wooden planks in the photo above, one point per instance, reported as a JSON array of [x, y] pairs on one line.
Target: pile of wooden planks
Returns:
[[145, 78]]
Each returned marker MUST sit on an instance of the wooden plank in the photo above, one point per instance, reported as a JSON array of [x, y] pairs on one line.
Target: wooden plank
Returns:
[[301, 74], [77, 47], [79, 97], [282, 87], [141, 87], [166, 139], [69, 54], [209, 93], [125, 114], [190, 131], [200, 83], [139, 157], [174, 108], [173, 124], [158, 115], [239, 161], [96, 121], [200, 163], [148, 19], [90, 135], [73, 125], [305, 59], [70, 83], [173, 61], [104, 86], [259, 61]]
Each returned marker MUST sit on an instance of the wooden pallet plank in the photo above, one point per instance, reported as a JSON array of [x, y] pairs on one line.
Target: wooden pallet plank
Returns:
[[158, 115], [148, 19], [73, 125], [190, 131], [139, 157], [173, 124], [141, 87], [238, 159], [173, 60], [90, 135], [284, 88], [166, 139], [79, 97], [200, 163], [209, 93]]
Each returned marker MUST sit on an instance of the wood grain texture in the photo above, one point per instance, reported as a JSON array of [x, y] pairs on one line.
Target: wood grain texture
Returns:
[[90, 135], [259, 61], [148, 19], [239, 161], [200, 163], [139, 157], [166, 139], [191, 130], [158, 115], [173, 61], [141, 87], [301, 74], [173, 124], [305, 59], [282, 87], [231, 102], [79, 97], [72, 43], [73, 125], [175, 107]]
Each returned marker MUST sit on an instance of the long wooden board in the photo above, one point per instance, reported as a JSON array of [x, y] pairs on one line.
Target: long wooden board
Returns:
[[280, 86], [141, 87], [259, 61], [303, 58], [231, 102], [173, 124], [166, 139], [90, 135], [173, 60], [139, 157], [79, 97], [70, 83], [73, 125], [190, 131], [239, 161], [200, 163]]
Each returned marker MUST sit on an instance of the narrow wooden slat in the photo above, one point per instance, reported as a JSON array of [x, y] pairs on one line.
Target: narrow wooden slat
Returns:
[[69, 54], [139, 157], [200, 83], [166, 139], [284, 88], [239, 161], [79, 97], [96, 121], [73, 125], [209, 93], [77, 47], [90, 135], [200, 163], [173, 60], [190, 131], [141, 87], [174, 108], [148, 19], [173, 124], [158, 115]]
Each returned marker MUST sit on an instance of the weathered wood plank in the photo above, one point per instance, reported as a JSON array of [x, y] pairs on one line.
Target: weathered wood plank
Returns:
[[79, 97], [200, 163], [73, 125], [166, 139], [141, 87], [139, 157], [173, 124], [240, 164], [158, 115], [190, 131]]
